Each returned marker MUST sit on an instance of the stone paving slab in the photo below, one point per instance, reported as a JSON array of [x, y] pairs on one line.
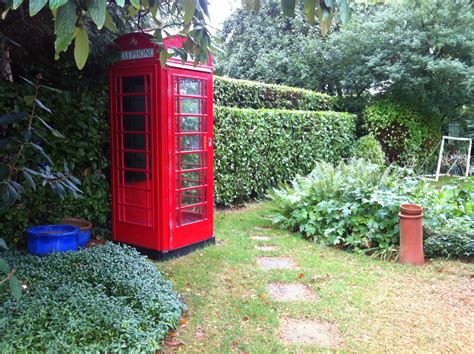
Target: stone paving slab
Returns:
[[260, 238], [314, 332], [291, 292], [266, 248], [268, 263]]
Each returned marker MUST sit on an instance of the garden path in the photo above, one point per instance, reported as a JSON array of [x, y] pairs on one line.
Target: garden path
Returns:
[[358, 303]]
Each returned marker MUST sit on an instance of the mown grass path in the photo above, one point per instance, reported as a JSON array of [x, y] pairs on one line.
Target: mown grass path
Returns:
[[375, 305]]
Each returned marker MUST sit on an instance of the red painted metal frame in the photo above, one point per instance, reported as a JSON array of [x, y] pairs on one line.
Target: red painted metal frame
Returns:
[[162, 233]]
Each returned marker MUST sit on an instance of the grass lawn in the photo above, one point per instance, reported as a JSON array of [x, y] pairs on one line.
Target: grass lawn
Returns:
[[375, 305]]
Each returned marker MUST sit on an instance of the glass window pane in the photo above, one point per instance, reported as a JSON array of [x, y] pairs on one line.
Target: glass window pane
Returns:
[[190, 215], [133, 104], [190, 161], [191, 124], [191, 105], [134, 123], [191, 179], [134, 141], [190, 87], [137, 179], [191, 142], [133, 84], [135, 160]]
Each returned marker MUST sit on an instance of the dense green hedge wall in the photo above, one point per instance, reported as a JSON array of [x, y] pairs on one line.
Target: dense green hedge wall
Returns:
[[406, 136], [251, 94], [82, 118], [258, 149]]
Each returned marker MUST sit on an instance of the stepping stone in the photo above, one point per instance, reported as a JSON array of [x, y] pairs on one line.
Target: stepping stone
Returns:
[[267, 263], [260, 238], [291, 292], [262, 228], [266, 248], [314, 332]]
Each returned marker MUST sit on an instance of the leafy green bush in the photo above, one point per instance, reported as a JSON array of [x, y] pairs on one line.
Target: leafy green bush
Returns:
[[104, 299], [81, 117], [356, 205], [368, 148], [258, 149], [252, 94], [454, 240], [406, 137]]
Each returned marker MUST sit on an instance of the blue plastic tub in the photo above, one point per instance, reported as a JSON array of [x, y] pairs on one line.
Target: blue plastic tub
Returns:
[[46, 239]]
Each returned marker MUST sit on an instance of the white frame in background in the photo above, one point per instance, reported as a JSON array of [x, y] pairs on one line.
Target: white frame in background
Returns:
[[440, 157]]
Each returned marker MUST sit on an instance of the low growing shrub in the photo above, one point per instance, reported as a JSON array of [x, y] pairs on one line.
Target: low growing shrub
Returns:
[[251, 94], [368, 148], [454, 240], [105, 299], [258, 149], [356, 205]]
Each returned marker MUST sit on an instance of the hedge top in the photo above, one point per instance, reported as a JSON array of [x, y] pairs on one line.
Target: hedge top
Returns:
[[250, 94]]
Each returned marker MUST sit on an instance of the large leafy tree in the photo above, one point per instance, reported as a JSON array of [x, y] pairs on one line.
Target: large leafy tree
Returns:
[[419, 52]]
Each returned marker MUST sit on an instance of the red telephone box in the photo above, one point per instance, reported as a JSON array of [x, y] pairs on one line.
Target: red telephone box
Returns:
[[161, 121]]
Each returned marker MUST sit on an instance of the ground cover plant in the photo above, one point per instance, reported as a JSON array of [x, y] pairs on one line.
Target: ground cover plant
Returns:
[[355, 205], [104, 299], [370, 302]]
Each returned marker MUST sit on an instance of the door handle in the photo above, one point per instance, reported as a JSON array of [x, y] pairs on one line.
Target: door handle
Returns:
[[209, 142]]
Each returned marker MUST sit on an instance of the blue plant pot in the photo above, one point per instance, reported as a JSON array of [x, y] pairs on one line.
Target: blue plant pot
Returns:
[[46, 239], [83, 238], [84, 233]]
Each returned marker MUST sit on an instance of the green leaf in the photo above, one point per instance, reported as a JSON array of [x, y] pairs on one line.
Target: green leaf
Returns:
[[41, 151], [204, 6], [13, 192], [15, 287], [81, 48], [3, 244], [64, 26], [135, 4], [36, 6], [120, 3], [164, 56], [344, 11], [12, 118], [16, 4], [4, 266], [97, 10], [29, 99], [109, 22], [310, 10], [288, 7], [189, 7], [42, 106], [53, 131], [29, 179], [55, 4]]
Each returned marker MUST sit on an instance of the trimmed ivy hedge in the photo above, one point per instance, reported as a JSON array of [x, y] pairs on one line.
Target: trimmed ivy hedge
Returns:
[[251, 94], [259, 149]]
